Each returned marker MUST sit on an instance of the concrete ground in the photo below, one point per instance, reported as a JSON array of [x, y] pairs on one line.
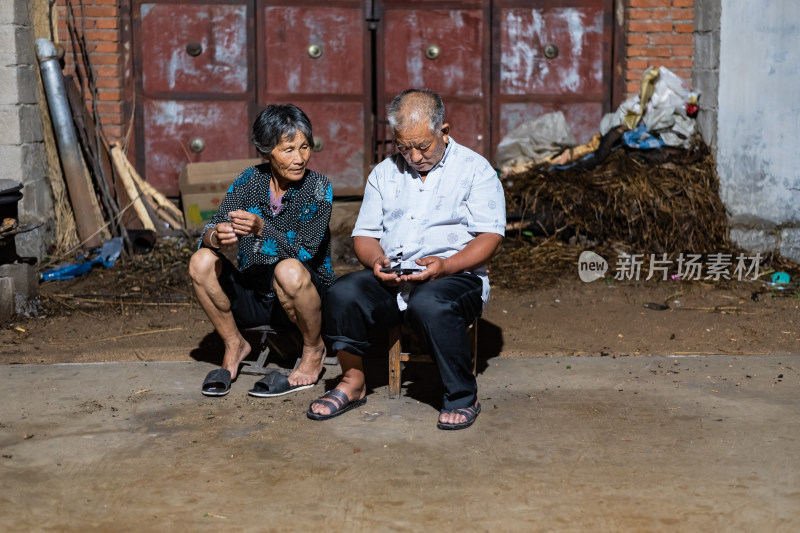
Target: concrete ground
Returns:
[[706, 443]]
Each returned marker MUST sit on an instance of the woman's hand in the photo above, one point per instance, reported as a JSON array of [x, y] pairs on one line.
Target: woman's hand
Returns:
[[245, 223]]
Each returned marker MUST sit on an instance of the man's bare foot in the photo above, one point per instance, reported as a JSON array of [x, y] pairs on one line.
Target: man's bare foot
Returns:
[[235, 353], [307, 372], [353, 395], [454, 416]]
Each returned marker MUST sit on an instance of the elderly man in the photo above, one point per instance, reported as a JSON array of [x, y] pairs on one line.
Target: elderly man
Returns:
[[437, 210]]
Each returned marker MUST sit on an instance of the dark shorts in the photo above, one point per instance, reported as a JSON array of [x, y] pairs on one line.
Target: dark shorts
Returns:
[[252, 295]]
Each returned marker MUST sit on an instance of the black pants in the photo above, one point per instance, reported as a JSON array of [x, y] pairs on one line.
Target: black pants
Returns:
[[360, 310]]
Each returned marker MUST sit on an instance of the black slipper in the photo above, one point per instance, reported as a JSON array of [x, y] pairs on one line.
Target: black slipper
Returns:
[[338, 403], [217, 383], [470, 412], [276, 384]]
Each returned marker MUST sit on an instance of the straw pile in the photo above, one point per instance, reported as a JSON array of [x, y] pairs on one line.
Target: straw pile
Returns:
[[633, 202]]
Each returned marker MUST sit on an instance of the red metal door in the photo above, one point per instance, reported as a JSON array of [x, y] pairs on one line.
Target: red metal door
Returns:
[[194, 88], [444, 46], [551, 56], [315, 54]]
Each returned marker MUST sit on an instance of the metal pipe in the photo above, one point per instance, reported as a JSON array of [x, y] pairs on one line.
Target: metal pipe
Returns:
[[68, 149]]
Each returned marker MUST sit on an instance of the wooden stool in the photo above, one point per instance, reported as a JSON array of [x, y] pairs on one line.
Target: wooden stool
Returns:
[[398, 356]]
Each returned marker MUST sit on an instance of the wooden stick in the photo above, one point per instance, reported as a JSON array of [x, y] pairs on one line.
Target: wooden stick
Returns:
[[146, 188], [130, 187]]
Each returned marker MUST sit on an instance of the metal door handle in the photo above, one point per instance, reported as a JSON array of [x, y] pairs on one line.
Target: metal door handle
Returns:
[[551, 51], [432, 52], [318, 145], [194, 49], [315, 51], [197, 145]]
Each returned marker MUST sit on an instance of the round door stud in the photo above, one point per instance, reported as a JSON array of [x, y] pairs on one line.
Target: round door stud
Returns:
[[194, 49], [432, 52], [315, 51], [197, 145], [318, 145], [551, 51]]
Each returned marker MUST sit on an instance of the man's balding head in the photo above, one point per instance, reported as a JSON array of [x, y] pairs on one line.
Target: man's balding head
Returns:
[[416, 106]]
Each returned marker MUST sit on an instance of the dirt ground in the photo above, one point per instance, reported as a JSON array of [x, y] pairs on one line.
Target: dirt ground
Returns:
[[599, 414], [144, 310]]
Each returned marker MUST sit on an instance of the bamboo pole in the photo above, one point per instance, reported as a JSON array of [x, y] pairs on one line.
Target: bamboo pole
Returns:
[[130, 187]]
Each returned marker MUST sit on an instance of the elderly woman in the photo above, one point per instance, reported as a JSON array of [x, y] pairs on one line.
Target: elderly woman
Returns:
[[277, 214]]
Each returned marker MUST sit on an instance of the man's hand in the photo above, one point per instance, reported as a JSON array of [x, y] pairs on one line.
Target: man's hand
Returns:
[[390, 279], [245, 223], [435, 268]]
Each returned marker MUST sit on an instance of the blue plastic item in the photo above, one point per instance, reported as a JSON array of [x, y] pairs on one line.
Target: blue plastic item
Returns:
[[642, 139], [107, 256]]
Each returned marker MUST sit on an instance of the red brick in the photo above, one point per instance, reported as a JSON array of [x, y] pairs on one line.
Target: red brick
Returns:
[[670, 39], [684, 28], [96, 12], [109, 108], [637, 64], [108, 83], [649, 3], [632, 88], [113, 133], [649, 51], [640, 14], [649, 27], [682, 51], [637, 39], [106, 48], [107, 24], [105, 59], [683, 3], [109, 71], [102, 35], [109, 95], [673, 63], [105, 2], [680, 14]]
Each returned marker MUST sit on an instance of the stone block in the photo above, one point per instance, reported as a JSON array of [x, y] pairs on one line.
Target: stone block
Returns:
[[16, 45], [11, 156], [707, 123], [16, 12], [35, 243], [37, 201], [755, 240], [30, 124], [6, 299], [707, 82], [706, 51], [18, 85], [790, 244], [707, 15], [26, 282]]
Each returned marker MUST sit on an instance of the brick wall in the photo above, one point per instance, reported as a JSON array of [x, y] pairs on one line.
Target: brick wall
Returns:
[[101, 29], [659, 33]]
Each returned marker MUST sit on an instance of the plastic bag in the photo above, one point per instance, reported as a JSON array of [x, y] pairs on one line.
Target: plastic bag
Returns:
[[535, 140]]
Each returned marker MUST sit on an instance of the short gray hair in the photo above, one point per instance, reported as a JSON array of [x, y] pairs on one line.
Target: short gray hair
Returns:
[[427, 105], [276, 122]]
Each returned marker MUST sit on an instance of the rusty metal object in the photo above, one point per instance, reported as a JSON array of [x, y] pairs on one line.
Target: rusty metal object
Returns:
[[66, 138]]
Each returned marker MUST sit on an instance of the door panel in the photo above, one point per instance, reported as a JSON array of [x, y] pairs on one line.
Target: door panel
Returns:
[[197, 48], [552, 56], [443, 46], [172, 125], [330, 82], [289, 31]]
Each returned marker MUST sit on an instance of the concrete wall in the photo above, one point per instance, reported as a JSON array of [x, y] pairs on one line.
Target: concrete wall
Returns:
[[758, 159], [22, 151]]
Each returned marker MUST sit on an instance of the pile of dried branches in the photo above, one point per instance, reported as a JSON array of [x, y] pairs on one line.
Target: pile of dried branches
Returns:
[[663, 202], [668, 207]]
